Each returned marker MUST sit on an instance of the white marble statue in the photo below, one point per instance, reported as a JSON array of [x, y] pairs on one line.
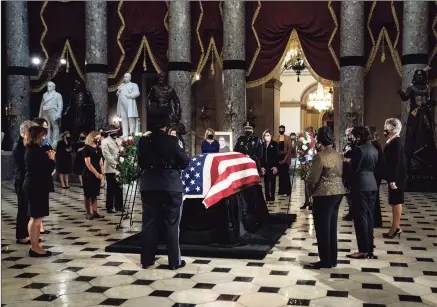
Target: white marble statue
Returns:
[[51, 110], [127, 105]]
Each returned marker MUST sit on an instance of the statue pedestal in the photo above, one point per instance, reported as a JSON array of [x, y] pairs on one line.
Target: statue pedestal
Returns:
[[7, 165], [421, 180]]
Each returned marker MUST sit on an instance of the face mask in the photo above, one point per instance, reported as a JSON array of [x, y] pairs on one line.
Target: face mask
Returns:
[[173, 134], [385, 133], [82, 138], [97, 142], [45, 141], [114, 136], [268, 138], [281, 132], [318, 146], [68, 138], [210, 136], [248, 133]]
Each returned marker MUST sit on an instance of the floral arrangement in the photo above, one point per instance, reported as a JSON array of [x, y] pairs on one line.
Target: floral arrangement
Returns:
[[127, 168], [305, 151]]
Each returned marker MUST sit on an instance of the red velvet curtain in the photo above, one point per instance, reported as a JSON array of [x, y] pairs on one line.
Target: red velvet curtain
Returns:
[[142, 19], [206, 24], [314, 24]]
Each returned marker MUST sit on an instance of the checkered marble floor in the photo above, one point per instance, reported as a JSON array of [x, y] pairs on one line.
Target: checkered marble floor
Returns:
[[81, 274]]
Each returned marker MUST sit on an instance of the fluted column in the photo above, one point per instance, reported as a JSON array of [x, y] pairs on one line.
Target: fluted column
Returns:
[[414, 48], [97, 59], [179, 57], [351, 66], [234, 68], [18, 60]]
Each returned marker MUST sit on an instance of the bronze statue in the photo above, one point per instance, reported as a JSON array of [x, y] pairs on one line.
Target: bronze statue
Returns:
[[80, 113], [420, 147], [163, 96]]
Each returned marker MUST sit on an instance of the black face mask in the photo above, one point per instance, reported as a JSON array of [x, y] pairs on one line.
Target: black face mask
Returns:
[[210, 136], [385, 133], [97, 142], [248, 133], [68, 138], [281, 132], [82, 138], [114, 135]]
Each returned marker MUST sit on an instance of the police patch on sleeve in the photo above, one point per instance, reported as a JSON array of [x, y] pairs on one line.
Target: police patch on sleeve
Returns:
[[180, 144]]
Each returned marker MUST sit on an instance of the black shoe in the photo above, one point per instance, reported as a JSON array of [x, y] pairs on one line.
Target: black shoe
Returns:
[[97, 216], [371, 256], [183, 263], [305, 206], [110, 211], [393, 235], [347, 217], [89, 216], [22, 242], [148, 266], [45, 232], [119, 209], [319, 265], [36, 255]]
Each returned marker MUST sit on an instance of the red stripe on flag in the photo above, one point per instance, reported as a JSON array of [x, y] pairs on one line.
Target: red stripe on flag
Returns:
[[216, 161], [232, 189], [233, 169]]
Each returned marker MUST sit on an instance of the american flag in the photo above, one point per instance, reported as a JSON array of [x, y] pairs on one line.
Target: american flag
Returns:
[[213, 177]]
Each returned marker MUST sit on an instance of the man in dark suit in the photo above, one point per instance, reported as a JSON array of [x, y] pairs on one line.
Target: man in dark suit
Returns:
[[363, 189], [160, 157]]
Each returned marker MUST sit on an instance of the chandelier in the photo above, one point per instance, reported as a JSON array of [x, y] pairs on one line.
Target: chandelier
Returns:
[[294, 60], [319, 100]]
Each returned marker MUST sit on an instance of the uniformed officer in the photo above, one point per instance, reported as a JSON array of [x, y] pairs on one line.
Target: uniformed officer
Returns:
[[160, 156], [249, 144]]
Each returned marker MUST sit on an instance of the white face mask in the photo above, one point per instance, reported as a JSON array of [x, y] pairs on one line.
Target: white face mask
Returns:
[[268, 138], [173, 134]]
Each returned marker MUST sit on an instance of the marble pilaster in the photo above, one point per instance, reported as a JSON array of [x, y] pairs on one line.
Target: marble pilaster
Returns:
[[18, 61], [179, 57], [414, 47], [234, 71], [352, 66], [97, 59]]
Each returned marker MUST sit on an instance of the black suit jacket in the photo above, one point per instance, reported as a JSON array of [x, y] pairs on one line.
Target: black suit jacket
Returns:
[[364, 161], [39, 169], [161, 157], [380, 166], [395, 165], [270, 157]]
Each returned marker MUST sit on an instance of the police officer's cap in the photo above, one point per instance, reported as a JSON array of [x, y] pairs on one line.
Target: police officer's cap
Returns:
[[158, 119], [248, 124]]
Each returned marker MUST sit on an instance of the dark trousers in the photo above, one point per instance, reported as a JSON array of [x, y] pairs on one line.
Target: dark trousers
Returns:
[[307, 195], [161, 207], [325, 213], [377, 216], [270, 185], [114, 193], [363, 205], [284, 179], [349, 202], [21, 231]]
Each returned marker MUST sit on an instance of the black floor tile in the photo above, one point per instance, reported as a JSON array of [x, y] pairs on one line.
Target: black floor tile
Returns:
[[183, 275], [243, 279], [183, 305], [306, 282], [430, 273], [201, 261], [19, 266], [100, 256], [279, 273], [287, 259], [410, 298], [113, 302], [298, 302], [255, 264], [84, 278], [46, 298], [127, 272], [36, 286], [269, 289], [424, 259], [113, 263], [403, 279], [62, 260], [337, 293], [142, 282], [221, 270], [97, 289], [342, 276], [370, 270], [228, 297], [204, 286], [397, 264], [27, 275], [161, 293], [372, 286]]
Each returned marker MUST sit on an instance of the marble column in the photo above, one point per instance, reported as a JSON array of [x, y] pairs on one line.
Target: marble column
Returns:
[[351, 66], [234, 68], [179, 62], [18, 70], [414, 47], [97, 59]]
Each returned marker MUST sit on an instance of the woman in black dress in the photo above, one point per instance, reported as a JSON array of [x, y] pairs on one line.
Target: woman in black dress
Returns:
[[374, 137], [79, 162], [37, 185], [18, 152], [269, 165], [92, 173], [64, 150], [46, 146], [395, 173]]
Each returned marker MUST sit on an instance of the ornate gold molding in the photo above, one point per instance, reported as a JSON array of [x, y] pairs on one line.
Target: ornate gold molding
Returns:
[[120, 45], [41, 41], [331, 49], [255, 56], [202, 50]]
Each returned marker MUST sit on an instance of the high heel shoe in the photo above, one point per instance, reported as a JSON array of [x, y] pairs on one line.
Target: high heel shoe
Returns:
[[393, 235], [306, 205]]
